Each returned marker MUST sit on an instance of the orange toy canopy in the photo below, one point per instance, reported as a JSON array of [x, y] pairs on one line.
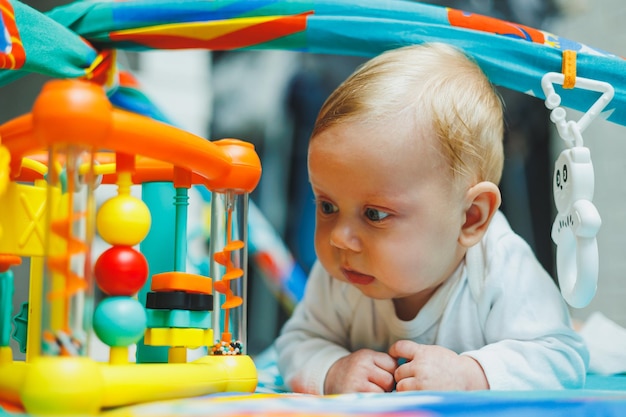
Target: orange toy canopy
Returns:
[[76, 112]]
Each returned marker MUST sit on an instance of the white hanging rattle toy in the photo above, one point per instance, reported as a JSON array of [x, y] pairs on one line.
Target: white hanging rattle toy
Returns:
[[577, 223]]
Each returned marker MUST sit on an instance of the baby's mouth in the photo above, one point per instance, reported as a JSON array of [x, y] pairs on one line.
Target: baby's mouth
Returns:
[[356, 278]]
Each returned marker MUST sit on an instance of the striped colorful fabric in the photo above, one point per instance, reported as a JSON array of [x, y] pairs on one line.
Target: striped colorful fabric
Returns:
[[512, 55], [12, 54], [39, 44]]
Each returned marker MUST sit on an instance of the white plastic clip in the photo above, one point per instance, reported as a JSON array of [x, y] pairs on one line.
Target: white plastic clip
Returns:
[[577, 223], [570, 130]]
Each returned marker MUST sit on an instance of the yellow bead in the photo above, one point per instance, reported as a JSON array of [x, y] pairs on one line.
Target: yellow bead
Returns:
[[123, 220]]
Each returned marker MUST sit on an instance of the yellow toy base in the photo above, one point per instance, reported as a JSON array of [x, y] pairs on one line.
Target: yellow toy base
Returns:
[[76, 385]]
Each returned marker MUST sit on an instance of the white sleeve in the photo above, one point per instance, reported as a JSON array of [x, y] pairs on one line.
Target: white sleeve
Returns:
[[529, 341], [316, 334]]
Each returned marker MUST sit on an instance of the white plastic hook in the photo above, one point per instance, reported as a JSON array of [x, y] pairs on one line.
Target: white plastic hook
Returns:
[[557, 116], [577, 223]]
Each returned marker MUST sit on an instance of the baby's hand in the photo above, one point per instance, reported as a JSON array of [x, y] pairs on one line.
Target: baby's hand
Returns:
[[435, 368], [362, 371]]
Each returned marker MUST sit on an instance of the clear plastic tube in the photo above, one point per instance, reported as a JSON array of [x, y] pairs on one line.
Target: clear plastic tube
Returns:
[[67, 282], [229, 259]]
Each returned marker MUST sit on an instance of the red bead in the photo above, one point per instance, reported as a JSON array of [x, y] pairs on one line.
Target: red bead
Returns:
[[121, 270]]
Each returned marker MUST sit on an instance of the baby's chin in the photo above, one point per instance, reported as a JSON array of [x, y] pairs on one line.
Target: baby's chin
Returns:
[[375, 291]]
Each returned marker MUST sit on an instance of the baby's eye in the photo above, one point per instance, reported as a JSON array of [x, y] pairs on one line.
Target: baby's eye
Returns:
[[375, 215], [326, 207]]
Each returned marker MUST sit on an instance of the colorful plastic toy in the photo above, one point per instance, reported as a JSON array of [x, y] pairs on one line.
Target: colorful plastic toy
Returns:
[[48, 213]]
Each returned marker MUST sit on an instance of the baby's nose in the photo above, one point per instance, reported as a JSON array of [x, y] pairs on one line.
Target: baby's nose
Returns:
[[344, 236]]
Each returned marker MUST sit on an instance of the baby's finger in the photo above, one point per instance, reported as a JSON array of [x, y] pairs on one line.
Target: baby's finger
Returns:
[[386, 362], [404, 349], [405, 370], [408, 384], [383, 379]]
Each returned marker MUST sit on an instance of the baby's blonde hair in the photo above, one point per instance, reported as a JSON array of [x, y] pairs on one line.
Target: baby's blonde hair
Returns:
[[428, 82]]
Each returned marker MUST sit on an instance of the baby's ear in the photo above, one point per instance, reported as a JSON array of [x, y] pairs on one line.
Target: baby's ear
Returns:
[[482, 201]]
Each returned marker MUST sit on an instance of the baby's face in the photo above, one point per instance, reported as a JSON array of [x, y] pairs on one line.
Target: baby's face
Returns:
[[387, 220]]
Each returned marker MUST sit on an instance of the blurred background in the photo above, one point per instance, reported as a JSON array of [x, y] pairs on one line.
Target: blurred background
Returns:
[[271, 99]]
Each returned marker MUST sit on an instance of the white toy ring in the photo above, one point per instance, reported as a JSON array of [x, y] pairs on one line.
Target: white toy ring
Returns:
[[575, 237]]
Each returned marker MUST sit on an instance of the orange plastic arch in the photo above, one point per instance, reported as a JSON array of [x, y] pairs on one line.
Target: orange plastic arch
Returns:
[[146, 170], [78, 112]]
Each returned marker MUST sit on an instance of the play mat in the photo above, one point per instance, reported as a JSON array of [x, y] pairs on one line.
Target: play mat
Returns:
[[603, 396]]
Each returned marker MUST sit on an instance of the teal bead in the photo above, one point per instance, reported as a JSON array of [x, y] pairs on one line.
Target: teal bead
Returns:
[[119, 321]]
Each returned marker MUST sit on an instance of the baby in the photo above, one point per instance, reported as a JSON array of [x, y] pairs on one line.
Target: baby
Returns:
[[420, 282]]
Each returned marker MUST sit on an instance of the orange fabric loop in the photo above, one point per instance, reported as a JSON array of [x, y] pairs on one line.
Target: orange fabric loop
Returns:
[[569, 69]]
